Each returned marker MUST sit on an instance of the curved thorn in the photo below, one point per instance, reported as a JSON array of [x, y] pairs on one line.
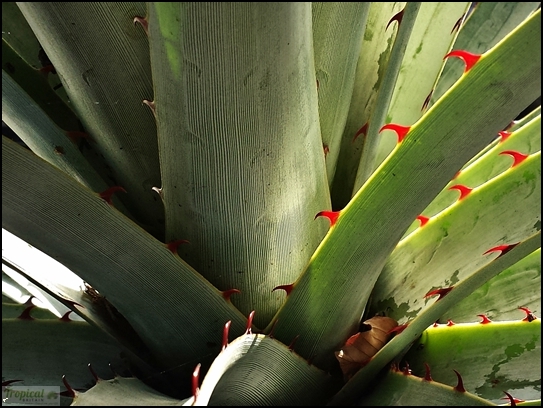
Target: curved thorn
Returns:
[[159, 192], [362, 131], [66, 317], [287, 288], [401, 131], [503, 248], [427, 375], [196, 382], [397, 17], [457, 174], [225, 334], [460, 386], [143, 22], [406, 370], [150, 104], [173, 245], [530, 317], [227, 293], [423, 220], [96, 378], [485, 318], [106, 195], [427, 101], [293, 342], [517, 156], [464, 191], [468, 58], [331, 215], [25, 315], [249, 322], [398, 329], [8, 382], [458, 23], [441, 292], [450, 323], [504, 135], [70, 390], [436, 324], [513, 401]]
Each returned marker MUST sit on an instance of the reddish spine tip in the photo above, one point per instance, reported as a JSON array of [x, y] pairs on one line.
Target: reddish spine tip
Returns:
[[362, 131], [530, 317], [70, 390], [93, 373], [398, 329], [401, 131], [326, 150], [227, 293], [394, 367], [66, 317], [427, 101], [196, 381], [293, 342], [441, 292], [503, 248], [460, 386], [143, 22], [517, 156], [468, 58], [25, 315], [512, 400], [457, 174], [406, 370], [106, 195], [173, 245], [485, 319], [450, 323], [397, 17], [427, 375], [435, 324], [504, 135], [423, 220], [286, 288], [249, 323], [331, 215], [225, 331], [464, 191]]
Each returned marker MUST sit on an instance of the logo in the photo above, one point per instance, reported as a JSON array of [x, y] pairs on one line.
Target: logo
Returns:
[[30, 395]]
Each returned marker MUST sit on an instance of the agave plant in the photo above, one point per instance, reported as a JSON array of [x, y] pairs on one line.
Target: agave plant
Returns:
[[275, 203]]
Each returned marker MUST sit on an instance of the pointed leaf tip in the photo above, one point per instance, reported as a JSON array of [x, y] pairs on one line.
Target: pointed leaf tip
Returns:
[[249, 322], [227, 293], [423, 220], [196, 382], [517, 156], [468, 58], [331, 215], [401, 131], [441, 292], [173, 245], [397, 17], [460, 386], [503, 248], [464, 191], [287, 288], [225, 331], [106, 195], [362, 131], [485, 319]]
